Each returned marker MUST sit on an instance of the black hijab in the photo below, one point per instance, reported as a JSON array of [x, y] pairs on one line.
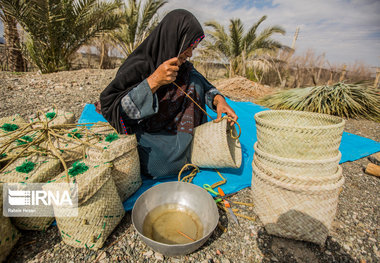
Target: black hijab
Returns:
[[162, 44]]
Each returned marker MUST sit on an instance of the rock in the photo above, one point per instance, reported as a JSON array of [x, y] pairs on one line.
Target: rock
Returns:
[[159, 256], [224, 260], [346, 247], [148, 253], [328, 252]]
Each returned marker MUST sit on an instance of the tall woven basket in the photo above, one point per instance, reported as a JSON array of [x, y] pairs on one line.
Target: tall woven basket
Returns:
[[121, 151], [294, 167], [299, 135], [295, 211], [99, 206], [32, 169], [8, 233], [214, 146]]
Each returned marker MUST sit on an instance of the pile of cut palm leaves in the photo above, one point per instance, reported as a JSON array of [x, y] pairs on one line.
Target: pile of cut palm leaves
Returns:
[[341, 99]]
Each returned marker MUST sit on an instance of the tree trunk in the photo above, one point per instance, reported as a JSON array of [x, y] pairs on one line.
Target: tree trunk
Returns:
[[105, 62], [12, 43]]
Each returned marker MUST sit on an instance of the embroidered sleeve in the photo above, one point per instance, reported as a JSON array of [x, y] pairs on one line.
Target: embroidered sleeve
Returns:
[[140, 103], [210, 95]]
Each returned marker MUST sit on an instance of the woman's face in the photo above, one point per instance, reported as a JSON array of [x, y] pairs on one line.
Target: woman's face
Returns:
[[188, 53]]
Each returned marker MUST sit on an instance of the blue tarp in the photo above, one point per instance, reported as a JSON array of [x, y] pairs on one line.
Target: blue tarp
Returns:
[[352, 147]]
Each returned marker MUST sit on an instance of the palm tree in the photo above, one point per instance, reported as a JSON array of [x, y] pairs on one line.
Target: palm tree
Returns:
[[58, 28], [12, 40], [137, 24], [236, 47]]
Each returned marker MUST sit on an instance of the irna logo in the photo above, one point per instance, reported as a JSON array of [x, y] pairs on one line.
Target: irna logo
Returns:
[[38, 197]]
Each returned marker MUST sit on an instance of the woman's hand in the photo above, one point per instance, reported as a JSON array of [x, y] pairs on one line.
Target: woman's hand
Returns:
[[166, 73], [223, 107]]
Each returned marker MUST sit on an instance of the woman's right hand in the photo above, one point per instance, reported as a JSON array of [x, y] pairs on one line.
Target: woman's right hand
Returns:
[[166, 73]]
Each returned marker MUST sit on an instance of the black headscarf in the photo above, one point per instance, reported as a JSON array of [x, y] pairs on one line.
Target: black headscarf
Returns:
[[162, 44]]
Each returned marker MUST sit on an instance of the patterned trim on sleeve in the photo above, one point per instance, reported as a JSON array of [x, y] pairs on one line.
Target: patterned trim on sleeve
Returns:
[[210, 95], [130, 108]]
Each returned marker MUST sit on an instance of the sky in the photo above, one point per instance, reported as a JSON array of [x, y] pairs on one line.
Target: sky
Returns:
[[346, 31]]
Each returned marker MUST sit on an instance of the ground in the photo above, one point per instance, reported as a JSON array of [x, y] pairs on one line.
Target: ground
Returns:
[[354, 236]]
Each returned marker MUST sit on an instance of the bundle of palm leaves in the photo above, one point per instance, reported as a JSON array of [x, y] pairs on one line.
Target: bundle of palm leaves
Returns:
[[341, 99]]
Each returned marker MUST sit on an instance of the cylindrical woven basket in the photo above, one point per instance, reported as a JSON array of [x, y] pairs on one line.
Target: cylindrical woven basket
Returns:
[[99, 208], [295, 211], [213, 146], [294, 167], [306, 180], [8, 233], [121, 151], [299, 135], [44, 169]]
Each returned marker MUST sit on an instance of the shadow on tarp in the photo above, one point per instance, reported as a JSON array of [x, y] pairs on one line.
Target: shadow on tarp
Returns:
[[352, 147]]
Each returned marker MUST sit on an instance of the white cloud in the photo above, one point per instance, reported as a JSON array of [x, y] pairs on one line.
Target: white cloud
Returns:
[[345, 30]]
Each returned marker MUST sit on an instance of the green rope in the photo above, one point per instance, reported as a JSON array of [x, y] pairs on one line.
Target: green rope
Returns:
[[77, 168], [50, 115], [112, 137], [8, 127], [3, 155], [25, 167]]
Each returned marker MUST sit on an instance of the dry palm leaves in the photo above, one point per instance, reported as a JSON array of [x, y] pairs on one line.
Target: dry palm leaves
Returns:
[[341, 99]]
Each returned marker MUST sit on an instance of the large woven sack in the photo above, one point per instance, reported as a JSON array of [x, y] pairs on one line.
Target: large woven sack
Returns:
[[295, 211], [299, 135], [99, 206], [214, 146], [8, 233], [298, 179], [55, 117], [121, 151], [294, 167], [32, 169]]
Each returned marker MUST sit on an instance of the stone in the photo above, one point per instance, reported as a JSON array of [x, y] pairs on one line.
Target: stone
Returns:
[[159, 256]]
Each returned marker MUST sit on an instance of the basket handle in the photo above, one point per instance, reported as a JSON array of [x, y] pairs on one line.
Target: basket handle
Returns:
[[229, 118]]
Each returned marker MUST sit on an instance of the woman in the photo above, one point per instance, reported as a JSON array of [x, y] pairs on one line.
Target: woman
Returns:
[[143, 99]]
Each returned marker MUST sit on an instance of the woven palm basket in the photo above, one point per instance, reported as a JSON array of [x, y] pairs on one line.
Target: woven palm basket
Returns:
[[298, 179], [213, 146], [55, 117], [299, 135], [9, 124], [295, 167], [295, 211], [121, 151], [31, 169], [8, 233], [99, 206]]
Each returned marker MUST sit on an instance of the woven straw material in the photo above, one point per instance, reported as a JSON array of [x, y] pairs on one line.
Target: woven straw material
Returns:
[[99, 208], [44, 169], [57, 116], [294, 211], [122, 152], [294, 167], [299, 135], [305, 180], [214, 147], [115, 146], [8, 233], [70, 151], [126, 174], [15, 119]]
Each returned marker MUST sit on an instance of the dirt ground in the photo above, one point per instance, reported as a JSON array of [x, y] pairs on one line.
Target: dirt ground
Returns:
[[354, 236]]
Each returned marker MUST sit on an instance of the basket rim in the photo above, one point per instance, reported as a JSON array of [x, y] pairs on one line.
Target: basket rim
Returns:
[[259, 119], [292, 160], [294, 187]]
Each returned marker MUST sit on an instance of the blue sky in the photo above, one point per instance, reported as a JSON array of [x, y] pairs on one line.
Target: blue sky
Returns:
[[345, 30]]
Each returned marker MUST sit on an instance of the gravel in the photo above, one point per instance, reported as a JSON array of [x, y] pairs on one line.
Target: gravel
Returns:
[[354, 236]]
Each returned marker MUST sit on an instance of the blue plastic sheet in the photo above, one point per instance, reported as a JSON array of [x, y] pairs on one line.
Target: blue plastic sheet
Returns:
[[352, 147]]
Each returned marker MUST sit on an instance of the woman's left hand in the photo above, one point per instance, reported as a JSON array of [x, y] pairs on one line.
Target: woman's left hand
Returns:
[[223, 107]]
